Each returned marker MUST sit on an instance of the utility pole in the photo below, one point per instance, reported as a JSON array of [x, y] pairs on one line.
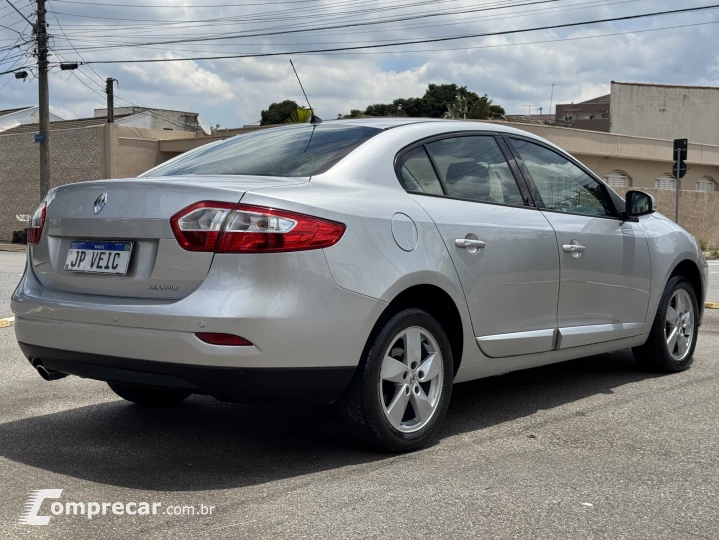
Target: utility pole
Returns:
[[551, 99], [110, 100], [44, 99]]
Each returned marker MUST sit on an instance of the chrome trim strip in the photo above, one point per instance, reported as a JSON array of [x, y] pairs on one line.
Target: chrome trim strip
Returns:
[[577, 336], [517, 344]]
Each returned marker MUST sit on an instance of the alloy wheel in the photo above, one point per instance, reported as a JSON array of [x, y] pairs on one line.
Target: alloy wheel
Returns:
[[411, 377], [679, 325]]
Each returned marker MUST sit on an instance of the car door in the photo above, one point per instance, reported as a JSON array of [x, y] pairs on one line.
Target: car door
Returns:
[[604, 260], [503, 248]]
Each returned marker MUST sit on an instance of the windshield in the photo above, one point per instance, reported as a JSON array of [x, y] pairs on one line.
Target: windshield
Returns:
[[301, 150]]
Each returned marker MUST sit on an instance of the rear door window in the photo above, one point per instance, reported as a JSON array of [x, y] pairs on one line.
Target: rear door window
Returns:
[[417, 174], [474, 168]]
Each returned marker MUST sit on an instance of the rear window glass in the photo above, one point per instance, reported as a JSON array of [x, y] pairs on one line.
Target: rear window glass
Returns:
[[301, 150]]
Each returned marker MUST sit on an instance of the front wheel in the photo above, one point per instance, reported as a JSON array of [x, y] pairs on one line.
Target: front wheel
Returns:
[[401, 391], [673, 337], [148, 396]]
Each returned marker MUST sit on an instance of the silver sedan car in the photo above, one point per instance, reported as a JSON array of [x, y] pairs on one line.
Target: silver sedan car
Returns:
[[366, 263]]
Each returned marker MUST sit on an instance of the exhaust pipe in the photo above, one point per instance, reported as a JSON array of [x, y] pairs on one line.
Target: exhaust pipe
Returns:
[[47, 374]]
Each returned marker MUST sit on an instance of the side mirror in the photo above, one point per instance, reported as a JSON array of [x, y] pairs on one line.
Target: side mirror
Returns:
[[638, 204]]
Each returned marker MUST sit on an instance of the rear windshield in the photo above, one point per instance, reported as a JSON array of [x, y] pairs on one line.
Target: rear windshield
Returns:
[[301, 150]]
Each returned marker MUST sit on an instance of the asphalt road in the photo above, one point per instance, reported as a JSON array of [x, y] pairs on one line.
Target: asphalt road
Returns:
[[592, 448]]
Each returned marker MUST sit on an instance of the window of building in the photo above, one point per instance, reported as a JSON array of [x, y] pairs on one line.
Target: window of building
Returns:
[[706, 183], [618, 179], [665, 181]]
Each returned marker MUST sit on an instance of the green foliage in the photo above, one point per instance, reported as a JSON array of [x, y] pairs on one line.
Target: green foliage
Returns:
[[438, 100], [354, 113], [703, 245], [299, 116], [278, 113]]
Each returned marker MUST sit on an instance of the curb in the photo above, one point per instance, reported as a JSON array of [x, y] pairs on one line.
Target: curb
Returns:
[[4, 323], [18, 248], [712, 305]]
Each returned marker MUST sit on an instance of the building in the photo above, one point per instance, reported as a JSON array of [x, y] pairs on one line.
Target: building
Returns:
[[530, 118], [121, 151], [80, 149], [10, 118], [592, 115], [661, 111], [148, 118]]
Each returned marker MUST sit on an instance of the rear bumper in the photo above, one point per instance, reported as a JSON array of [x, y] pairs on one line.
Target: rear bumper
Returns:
[[285, 304], [231, 384]]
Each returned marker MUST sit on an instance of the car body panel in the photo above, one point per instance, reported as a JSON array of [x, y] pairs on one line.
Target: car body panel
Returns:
[[610, 281], [157, 259], [669, 246], [317, 308], [511, 284], [240, 296]]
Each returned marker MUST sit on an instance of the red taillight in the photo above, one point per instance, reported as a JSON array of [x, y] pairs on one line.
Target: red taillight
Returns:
[[214, 338], [243, 228], [37, 222]]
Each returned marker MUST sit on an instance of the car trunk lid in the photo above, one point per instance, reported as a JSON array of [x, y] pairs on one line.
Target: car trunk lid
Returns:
[[137, 211]]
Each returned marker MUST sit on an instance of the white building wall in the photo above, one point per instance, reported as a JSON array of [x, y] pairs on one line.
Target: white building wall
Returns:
[[31, 115], [665, 112]]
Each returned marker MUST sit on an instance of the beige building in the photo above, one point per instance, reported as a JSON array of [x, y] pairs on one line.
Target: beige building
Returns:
[[661, 111], [592, 114], [90, 149]]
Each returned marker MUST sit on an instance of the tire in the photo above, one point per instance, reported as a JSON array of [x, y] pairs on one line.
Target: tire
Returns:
[[373, 403], [655, 355], [148, 396]]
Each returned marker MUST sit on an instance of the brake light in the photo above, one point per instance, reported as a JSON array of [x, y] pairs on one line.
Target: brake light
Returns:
[[243, 228], [36, 225]]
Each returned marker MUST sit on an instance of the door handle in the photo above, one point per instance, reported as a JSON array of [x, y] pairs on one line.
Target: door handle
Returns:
[[469, 243], [573, 248]]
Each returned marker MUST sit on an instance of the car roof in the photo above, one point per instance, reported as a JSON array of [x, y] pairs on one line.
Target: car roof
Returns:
[[389, 123]]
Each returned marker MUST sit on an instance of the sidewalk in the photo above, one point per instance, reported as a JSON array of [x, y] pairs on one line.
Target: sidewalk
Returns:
[[4, 246]]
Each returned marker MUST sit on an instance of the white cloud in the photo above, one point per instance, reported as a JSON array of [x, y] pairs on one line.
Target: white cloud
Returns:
[[233, 92]]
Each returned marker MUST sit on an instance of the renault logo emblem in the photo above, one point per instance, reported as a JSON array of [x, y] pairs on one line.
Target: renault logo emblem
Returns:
[[100, 203]]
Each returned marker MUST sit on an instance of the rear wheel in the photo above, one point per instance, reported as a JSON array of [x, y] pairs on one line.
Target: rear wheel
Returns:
[[673, 337], [148, 396], [401, 391]]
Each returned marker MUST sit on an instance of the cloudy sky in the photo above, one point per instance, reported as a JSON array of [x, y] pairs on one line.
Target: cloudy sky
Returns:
[[515, 70]]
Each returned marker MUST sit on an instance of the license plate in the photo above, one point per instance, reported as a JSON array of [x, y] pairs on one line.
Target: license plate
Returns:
[[99, 257]]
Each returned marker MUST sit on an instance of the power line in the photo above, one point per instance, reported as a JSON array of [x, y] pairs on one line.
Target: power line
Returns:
[[19, 12], [428, 40], [578, 38], [334, 27], [70, 43], [186, 6], [559, 40], [234, 20], [113, 44]]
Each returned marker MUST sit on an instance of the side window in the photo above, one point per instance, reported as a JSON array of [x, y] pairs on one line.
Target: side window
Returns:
[[564, 187], [474, 168], [417, 173]]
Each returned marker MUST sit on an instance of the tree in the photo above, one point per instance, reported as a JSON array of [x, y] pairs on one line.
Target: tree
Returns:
[[354, 113], [483, 109], [278, 113], [437, 100]]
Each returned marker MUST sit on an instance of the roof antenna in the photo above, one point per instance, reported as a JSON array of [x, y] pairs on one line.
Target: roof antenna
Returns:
[[313, 119]]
